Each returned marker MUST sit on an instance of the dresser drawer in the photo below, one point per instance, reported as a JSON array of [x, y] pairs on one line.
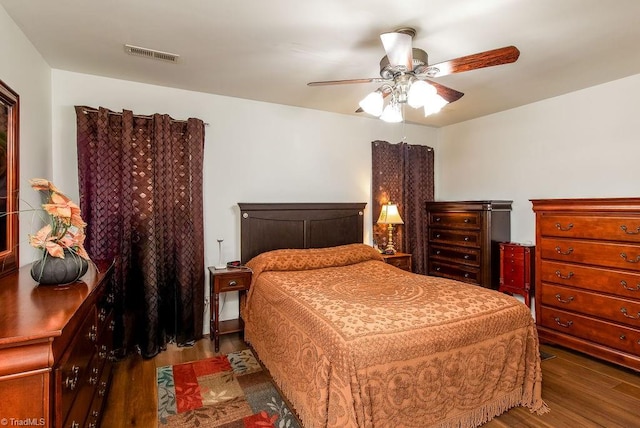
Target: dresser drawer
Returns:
[[514, 263], [612, 228], [595, 253], [97, 405], [606, 333], [512, 250], [459, 220], [609, 281], [74, 370], [465, 255], [611, 308], [458, 272], [513, 275], [467, 238], [240, 281]]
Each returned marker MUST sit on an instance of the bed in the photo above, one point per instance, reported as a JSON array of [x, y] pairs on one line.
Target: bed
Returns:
[[354, 342]]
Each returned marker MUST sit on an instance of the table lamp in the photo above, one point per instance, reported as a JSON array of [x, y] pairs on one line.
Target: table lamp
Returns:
[[390, 215]]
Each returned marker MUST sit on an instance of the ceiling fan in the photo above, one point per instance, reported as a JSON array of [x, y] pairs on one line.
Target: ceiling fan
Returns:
[[405, 74]]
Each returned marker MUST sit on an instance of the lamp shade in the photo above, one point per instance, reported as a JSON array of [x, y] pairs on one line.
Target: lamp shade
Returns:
[[434, 105], [392, 113], [372, 103], [389, 215], [419, 93]]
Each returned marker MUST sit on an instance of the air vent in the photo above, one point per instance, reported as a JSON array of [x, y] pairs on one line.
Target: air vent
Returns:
[[151, 53]]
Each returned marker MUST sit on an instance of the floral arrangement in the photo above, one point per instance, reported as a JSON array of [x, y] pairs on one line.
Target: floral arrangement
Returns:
[[65, 227]]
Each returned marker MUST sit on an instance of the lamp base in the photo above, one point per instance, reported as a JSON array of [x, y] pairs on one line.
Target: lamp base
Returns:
[[390, 249]]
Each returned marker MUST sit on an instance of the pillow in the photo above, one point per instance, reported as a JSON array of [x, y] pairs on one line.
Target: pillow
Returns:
[[312, 258]]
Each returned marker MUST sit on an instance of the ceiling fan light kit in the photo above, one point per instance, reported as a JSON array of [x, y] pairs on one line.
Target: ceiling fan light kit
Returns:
[[404, 74]]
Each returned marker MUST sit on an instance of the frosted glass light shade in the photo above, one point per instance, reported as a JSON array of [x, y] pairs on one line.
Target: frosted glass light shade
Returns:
[[372, 103], [392, 113], [434, 105], [419, 93]]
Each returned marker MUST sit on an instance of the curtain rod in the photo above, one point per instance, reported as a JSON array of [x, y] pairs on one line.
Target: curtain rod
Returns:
[[88, 110]]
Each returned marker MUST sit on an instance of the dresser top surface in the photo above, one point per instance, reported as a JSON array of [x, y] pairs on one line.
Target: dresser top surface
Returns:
[[587, 204], [32, 312], [480, 205]]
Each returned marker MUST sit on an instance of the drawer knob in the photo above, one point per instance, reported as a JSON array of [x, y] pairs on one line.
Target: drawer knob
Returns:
[[437, 235], [623, 337], [72, 380], [437, 219], [626, 287], [466, 256], [626, 314], [561, 300], [233, 283], [93, 333], [437, 252], [561, 324], [466, 220], [564, 253], [564, 229], [438, 268], [628, 260], [466, 238], [466, 275], [559, 275], [630, 232]]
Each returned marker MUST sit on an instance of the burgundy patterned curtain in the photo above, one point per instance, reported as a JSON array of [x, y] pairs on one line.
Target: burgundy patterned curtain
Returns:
[[403, 174], [140, 180]]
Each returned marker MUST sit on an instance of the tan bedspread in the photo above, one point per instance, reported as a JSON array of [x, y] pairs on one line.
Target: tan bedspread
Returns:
[[355, 342]]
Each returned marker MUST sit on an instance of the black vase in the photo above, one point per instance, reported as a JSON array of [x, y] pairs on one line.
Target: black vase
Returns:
[[55, 270]]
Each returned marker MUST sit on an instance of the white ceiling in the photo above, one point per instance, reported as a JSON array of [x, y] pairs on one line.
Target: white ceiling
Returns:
[[270, 50]]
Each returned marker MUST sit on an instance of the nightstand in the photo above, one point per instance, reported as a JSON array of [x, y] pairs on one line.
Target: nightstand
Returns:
[[399, 260], [517, 269], [222, 281]]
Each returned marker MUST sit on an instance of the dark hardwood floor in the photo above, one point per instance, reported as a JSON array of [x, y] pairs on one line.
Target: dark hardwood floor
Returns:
[[581, 391]]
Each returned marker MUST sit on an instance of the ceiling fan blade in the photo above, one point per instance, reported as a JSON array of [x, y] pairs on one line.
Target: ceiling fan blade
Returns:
[[346, 82], [445, 92], [398, 48], [490, 58]]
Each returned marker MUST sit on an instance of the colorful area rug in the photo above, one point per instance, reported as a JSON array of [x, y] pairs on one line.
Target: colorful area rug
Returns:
[[227, 391]]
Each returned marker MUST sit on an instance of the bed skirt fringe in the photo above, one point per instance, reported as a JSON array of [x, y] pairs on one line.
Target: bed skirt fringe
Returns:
[[484, 414]]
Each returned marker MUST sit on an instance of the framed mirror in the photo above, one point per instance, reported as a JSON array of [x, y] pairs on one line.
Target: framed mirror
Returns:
[[9, 178]]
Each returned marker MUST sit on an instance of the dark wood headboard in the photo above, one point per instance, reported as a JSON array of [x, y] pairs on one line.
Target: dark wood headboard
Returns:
[[273, 226]]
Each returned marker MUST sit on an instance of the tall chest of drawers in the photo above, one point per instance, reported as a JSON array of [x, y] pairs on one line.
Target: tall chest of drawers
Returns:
[[516, 269], [463, 239], [588, 276], [55, 350]]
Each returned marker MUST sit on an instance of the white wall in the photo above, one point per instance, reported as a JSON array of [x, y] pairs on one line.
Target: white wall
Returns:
[[254, 152], [583, 144], [23, 69]]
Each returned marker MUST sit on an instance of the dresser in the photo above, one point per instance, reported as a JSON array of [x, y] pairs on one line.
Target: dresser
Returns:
[[55, 349], [517, 269], [463, 239], [588, 276]]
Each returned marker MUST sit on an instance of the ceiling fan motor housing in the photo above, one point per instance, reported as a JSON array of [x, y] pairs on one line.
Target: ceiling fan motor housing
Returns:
[[388, 71]]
